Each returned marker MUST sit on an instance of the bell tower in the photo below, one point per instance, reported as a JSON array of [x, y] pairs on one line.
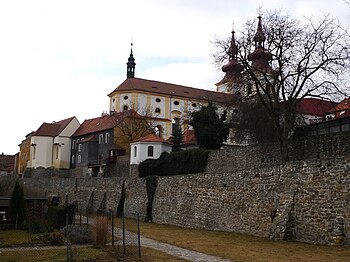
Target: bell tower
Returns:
[[130, 73]]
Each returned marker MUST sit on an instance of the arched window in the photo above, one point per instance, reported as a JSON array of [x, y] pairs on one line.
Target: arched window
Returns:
[[157, 111], [135, 151], [150, 151], [125, 108]]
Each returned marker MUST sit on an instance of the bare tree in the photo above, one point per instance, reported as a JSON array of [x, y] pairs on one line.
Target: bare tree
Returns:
[[287, 59], [131, 125]]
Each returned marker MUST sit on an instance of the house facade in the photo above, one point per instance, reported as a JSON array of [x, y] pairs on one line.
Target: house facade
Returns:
[[148, 147], [98, 141], [50, 144], [24, 153]]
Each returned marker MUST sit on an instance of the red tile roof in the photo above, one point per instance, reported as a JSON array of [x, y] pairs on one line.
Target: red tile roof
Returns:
[[52, 129], [105, 122], [342, 109], [314, 106], [132, 84], [152, 138]]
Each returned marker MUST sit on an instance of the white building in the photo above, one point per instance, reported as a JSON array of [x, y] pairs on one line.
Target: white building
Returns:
[[148, 147], [50, 144]]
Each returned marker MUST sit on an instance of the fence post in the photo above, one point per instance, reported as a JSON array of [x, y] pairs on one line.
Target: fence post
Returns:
[[67, 238], [87, 219], [112, 218], [123, 223], [138, 234]]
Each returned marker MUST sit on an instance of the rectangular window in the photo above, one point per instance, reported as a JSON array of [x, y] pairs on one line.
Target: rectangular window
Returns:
[[150, 151], [73, 144], [107, 138], [100, 139], [79, 158], [73, 159], [79, 148]]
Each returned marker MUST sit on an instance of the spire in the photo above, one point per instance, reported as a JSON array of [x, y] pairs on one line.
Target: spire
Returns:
[[233, 50], [260, 57], [259, 37], [131, 65], [232, 69]]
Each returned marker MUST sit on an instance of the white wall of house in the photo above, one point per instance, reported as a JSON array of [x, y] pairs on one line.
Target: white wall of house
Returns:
[[139, 151], [41, 151]]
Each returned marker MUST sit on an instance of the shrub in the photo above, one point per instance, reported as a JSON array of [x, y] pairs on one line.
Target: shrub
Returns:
[[56, 239], [57, 215], [100, 231], [182, 162], [77, 234]]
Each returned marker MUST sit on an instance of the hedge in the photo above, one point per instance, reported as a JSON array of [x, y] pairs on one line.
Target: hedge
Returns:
[[176, 163]]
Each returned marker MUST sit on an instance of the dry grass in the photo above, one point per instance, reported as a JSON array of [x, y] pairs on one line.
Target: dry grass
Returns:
[[239, 247], [100, 230]]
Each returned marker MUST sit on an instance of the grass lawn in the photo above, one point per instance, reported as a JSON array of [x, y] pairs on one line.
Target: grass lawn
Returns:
[[239, 247], [17, 237], [84, 254]]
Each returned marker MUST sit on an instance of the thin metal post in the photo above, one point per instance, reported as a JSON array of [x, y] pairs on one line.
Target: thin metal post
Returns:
[[123, 223], [112, 218], [87, 219], [138, 234], [67, 238]]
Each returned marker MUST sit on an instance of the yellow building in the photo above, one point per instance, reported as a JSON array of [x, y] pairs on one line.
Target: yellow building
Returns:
[[24, 154], [169, 104]]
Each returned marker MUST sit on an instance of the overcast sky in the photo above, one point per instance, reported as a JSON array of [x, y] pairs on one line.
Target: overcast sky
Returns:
[[61, 58]]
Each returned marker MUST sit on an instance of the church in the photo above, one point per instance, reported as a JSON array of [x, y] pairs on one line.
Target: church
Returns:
[[170, 104]]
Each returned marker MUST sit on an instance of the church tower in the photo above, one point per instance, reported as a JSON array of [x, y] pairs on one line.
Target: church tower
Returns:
[[131, 65], [233, 71], [260, 57]]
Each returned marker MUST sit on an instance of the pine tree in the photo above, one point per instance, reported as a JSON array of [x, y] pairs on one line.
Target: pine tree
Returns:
[[211, 130], [17, 205]]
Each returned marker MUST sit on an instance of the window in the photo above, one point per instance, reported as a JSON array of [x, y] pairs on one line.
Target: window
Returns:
[[79, 158], [79, 148], [126, 97], [100, 139], [34, 151], [176, 103], [125, 108], [73, 144], [57, 151], [107, 138], [150, 151], [249, 88], [194, 105], [157, 111], [113, 99], [175, 124], [158, 100], [135, 151], [73, 159]]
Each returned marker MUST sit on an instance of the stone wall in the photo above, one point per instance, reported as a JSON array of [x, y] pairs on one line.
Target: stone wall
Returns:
[[301, 200], [244, 189]]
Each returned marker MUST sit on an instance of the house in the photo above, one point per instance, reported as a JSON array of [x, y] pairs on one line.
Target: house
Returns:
[[24, 153], [314, 110], [50, 144], [7, 164], [148, 147], [168, 104], [340, 110], [99, 140]]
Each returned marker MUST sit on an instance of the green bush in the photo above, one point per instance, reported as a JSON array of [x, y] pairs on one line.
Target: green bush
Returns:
[[182, 162]]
